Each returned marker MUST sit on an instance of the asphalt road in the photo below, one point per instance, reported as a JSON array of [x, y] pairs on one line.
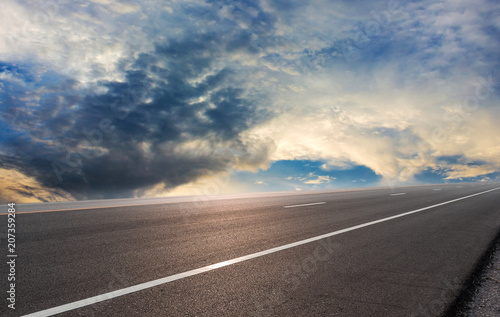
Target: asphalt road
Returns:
[[411, 265]]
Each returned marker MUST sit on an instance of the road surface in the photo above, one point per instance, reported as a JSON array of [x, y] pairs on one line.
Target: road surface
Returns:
[[375, 252]]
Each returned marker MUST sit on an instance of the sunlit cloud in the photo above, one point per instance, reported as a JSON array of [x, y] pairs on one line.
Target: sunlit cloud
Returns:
[[17, 187]]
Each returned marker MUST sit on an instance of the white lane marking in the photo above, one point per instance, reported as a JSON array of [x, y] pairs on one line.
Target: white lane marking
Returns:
[[437, 188], [168, 279], [397, 194], [302, 205]]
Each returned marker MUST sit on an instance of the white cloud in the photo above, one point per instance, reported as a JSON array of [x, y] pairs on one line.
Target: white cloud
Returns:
[[85, 40], [396, 131], [393, 114], [319, 180]]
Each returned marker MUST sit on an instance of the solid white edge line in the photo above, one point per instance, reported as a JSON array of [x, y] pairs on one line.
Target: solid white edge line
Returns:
[[397, 194], [301, 205], [168, 279]]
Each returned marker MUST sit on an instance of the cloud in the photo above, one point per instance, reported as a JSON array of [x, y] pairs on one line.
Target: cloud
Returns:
[[319, 180], [106, 99], [19, 188], [398, 133], [464, 171], [175, 115], [390, 108]]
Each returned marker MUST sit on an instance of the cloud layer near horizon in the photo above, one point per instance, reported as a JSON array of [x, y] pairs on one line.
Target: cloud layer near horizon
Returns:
[[107, 99]]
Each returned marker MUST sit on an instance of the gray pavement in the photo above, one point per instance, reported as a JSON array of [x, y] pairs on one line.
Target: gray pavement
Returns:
[[408, 266]]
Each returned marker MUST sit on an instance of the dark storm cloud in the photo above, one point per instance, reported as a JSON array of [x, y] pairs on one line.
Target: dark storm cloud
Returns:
[[119, 142]]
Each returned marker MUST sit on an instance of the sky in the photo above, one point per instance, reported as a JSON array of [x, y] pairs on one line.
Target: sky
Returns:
[[105, 99]]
